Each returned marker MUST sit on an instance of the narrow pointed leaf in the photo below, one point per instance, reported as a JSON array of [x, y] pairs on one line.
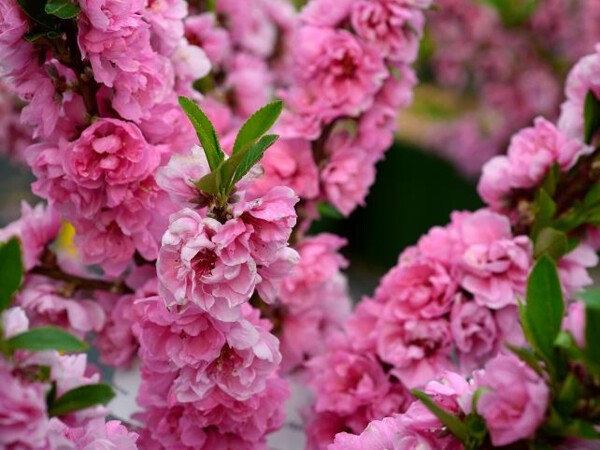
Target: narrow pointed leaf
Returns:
[[551, 242], [253, 155], [545, 306], [205, 131], [11, 268], [46, 338], [453, 423], [256, 126], [80, 398]]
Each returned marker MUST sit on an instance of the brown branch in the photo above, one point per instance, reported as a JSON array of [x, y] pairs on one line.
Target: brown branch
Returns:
[[90, 284]]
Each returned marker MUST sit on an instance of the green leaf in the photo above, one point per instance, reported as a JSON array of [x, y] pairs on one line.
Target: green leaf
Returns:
[[551, 242], [452, 422], [591, 122], [545, 307], [205, 131], [328, 211], [46, 338], [80, 398], [35, 10], [11, 268], [592, 337], [591, 297], [569, 395], [550, 181], [253, 155], [545, 208], [256, 126], [582, 429], [63, 9], [209, 184], [592, 197]]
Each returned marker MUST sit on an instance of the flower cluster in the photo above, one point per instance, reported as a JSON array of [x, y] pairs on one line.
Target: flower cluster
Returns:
[[351, 74], [105, 120], [512, 59], [29, 379], [513, 404]]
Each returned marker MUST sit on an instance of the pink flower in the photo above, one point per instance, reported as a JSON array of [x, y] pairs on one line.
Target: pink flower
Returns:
[[271, 218], [135, 93], [493, 187], [515, 403], [98, 434], [249, 80], [496, 273], [319, 264], [177, 339], [110, 156], [23, 419], [574, 322], [37, 228], [14, 321], [166, 20], [201, 31], [179, 176], [582, 79], [422, 288], [115, 342], [573, 268], [344, 380], [473, 331], [42, 299], [322, 13], [393, 28], [418, 349], [344, 72], [347, 178], [289, 163], [110, 52], [111, 15], [534, 150]]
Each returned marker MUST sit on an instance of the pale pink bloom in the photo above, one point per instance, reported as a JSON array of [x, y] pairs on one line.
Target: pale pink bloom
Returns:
[[496, 273], [14, 321], [420, 289], [347, 178], [23, 418], [320, 261], [574, 322], [533, 151], [110, 52], [249, 81], [346, 73], [493, 187], [178, 178], [473, 331], [110, 155], [202, 31], [418, 349], [289, 162], [96, 434], [573, 268], [344, 380], [177, 339], [135, 93], [515, 401], [166, 21], [509, 328], [322, 13], [41, 297], [37, 228], [363, 323], [111, 15], [395, 29], [190, 63], [584, 77], [250, 28], [271, 218], [116, 342]]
